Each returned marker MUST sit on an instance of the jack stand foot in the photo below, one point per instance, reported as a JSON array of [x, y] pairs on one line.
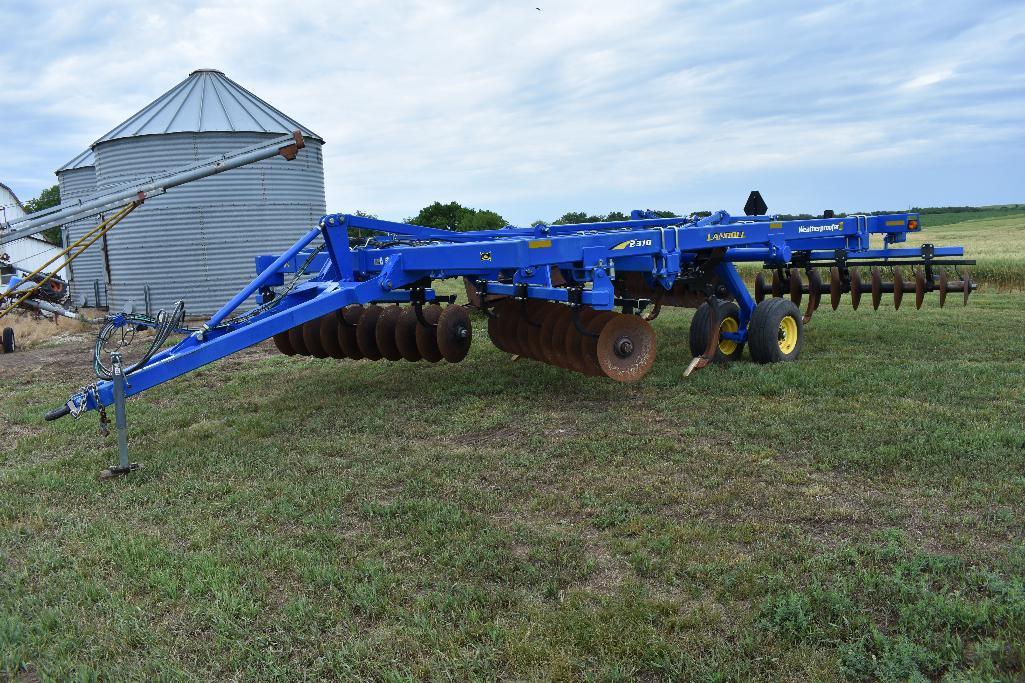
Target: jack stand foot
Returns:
[[117, 471]]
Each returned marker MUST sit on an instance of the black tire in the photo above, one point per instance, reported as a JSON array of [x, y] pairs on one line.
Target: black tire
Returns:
[[776, 333], [8, 340], [728, 350]]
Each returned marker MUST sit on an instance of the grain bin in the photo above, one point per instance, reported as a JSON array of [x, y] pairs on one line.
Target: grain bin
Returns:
[[77, 179], [198, 242]]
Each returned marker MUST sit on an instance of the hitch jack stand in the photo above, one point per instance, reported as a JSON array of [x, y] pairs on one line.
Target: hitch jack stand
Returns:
[[123, 466]]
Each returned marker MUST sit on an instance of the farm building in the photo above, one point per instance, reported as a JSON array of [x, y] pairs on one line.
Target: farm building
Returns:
[[197, 242], [28, 253]]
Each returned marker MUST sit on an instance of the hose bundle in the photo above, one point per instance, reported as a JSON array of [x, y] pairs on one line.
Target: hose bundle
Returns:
[[164, 325]]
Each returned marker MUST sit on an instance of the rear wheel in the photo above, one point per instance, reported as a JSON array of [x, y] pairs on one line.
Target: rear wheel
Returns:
[[776, 332], [8, 340], [729, 321]]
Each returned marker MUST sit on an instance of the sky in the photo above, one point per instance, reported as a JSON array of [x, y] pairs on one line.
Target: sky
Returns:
[[536, 108]]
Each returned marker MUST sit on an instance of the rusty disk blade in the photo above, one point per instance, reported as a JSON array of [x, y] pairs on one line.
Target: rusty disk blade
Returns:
[[919, 287], [814, 293], [311, 337], [943, 286], [855, 288], [557, 338], [329, 336], [898, 287], [835, 287], [455, 333], [540, 336], [535, 335], [796, 287], [510, 325], [544, 335], [589, 342], [500, 310], [426, 338], [366, 332], [877, 287], [572, 340], [348, 318], [759, 287], [405, 334], [967, 287], [511, 329], [777, 284], [626, 348], [524, 324], [295, 338], [384, 332], [284, 346]]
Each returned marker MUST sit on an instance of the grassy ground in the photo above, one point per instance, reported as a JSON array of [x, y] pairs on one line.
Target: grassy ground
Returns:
[[856, 515]]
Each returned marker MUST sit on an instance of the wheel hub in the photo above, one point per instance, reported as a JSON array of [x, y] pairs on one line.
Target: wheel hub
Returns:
[[623, 347]]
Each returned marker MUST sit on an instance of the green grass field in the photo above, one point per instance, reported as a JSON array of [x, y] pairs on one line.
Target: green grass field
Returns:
[[855, 515]]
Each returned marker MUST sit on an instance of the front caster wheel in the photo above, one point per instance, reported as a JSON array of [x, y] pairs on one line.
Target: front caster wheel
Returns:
[[729, 321], [776, 332]]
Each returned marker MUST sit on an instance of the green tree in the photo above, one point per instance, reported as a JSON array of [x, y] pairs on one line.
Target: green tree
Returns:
[[584, 217], [571, 217], [455, 216], [47, 198]]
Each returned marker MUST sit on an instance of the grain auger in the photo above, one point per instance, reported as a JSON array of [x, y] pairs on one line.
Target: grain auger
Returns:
[[580, 297]]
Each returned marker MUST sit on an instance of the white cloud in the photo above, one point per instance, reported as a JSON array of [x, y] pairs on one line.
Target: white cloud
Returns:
[[595, 105]]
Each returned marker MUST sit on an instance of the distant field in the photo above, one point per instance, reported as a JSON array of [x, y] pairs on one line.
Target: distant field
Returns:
[[995, 238]]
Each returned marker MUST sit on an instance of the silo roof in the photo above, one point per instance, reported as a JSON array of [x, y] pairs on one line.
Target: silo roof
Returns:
[[206, 101], [83, 160]]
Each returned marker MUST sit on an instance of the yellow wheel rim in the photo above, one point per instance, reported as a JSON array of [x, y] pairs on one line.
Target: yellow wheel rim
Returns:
[[787, 335], [728, 346]]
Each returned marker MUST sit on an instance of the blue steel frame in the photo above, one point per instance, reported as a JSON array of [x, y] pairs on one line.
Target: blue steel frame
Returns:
[[401, 257]]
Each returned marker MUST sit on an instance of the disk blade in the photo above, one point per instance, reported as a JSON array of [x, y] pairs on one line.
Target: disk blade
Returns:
[[877, 288], [384, 332], [295, 338], [405, 335], [626, 348], [329, 336], [796, 287], [573, 339], [348, 318], [366, 332], [589, 343], [454, 333], [284, 346], [855, 288], [426, 339]]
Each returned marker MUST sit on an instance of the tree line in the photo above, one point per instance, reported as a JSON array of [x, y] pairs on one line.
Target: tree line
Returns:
[[455, 216]]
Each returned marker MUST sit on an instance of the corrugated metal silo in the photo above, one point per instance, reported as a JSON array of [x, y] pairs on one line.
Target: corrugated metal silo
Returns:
[[77, 179], [198, 241]]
